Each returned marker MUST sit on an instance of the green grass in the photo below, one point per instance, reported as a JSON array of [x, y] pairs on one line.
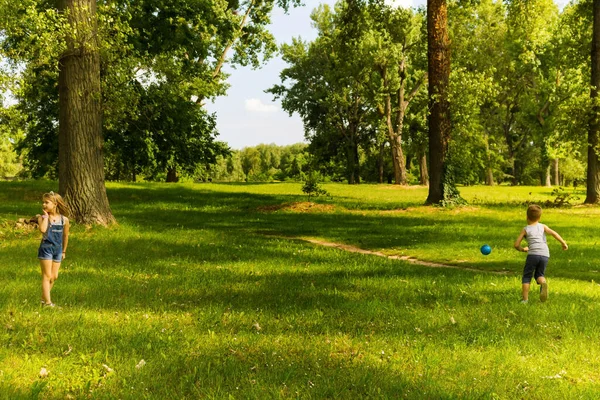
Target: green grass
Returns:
[[206, 284]]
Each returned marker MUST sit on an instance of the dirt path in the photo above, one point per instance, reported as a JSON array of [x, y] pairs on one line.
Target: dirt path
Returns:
[[409, 259]]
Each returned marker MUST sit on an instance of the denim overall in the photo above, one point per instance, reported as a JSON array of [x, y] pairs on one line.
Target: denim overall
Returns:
[[51, 246]]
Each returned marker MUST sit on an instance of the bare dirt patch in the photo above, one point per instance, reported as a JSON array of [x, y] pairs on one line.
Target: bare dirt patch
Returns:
[[409, 259], [298, 207]]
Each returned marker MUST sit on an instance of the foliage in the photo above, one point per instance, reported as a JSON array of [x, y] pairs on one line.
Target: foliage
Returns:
[[10, 133], [154, 53], [311, 186], [265, 162], [562, 198]]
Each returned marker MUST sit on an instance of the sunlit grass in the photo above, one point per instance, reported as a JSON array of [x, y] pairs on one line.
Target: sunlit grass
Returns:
[[219, 301]]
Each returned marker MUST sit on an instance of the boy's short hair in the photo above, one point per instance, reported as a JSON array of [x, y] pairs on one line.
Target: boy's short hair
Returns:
[[534, 212]]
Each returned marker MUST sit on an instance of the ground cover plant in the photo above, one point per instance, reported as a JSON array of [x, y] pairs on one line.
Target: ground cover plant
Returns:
[[206, 291]]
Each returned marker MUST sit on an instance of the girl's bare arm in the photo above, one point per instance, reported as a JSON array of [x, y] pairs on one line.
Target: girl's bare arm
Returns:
[[66, 229]]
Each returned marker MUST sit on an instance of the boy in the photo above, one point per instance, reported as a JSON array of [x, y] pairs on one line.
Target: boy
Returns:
[[537, 251]]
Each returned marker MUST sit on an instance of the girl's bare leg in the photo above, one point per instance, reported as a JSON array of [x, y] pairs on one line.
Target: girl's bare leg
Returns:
[[46, 266], [54, 276]]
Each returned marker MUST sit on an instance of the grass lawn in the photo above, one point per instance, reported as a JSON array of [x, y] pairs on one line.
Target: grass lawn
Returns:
[[206, 284]]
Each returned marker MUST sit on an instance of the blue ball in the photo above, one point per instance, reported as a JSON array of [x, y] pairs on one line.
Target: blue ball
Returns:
[[486, 249]]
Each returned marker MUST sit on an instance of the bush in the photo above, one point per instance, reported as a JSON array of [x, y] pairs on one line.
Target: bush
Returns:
[[311, 186]]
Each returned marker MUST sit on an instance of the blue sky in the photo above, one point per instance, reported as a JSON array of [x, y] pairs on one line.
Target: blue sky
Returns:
[[248, 116]]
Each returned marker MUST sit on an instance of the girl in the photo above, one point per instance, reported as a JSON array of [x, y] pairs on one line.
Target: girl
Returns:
[[54, 226]]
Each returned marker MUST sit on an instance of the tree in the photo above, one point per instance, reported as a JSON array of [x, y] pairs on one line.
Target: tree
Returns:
[[438, 57], [395, 47], [328, 84], [593, 171], [10, 132], [180, 43], [81, 162]]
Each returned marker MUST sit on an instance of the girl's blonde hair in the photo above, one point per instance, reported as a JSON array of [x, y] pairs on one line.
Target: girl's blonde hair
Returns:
[[57, 199]]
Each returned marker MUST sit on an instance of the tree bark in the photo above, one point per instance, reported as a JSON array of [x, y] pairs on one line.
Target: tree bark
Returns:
[[351, 163], [172, 175], [398, 159], [556, 172], [424, 178], [381, 160], [547, 179], [438, 58], [81, 162], [593, 171], [489, 171]]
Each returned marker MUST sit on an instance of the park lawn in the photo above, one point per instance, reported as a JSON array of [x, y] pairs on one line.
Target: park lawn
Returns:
[[208, 284]]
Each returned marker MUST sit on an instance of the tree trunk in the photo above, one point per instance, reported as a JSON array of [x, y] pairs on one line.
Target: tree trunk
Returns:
[[398, 159], [172, 175], [350, 169], [556, 172], [547, 179], [81, 162], [356, 163], [424, 178], [395, 133], [489, 176], [593, 171], [438, 57], [489, 171], [381, 160]]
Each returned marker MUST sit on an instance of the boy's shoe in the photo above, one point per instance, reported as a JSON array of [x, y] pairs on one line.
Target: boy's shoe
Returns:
[[524, 301], [544, 292]]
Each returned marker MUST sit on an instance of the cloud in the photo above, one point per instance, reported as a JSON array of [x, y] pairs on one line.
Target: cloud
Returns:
[[256, 105], [400, 3]]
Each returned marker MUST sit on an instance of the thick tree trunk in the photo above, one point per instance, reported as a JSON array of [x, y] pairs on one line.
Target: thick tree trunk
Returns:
[[438, 57], [593, 171], [81, 163]]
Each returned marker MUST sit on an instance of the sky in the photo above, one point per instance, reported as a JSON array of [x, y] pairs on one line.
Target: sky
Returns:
[[247, 116]]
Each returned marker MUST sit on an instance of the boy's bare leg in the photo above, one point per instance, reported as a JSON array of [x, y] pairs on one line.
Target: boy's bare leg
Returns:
[[526, 291], [544, 292]]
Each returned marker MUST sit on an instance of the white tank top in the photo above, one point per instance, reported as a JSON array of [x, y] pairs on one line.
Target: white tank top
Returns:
[[536, 240]]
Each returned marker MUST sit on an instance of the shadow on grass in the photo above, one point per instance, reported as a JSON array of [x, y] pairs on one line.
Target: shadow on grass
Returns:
[[274, 275]]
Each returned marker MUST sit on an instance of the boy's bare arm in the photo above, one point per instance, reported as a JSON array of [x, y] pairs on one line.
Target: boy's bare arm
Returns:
[[557, 237], [519, 240]]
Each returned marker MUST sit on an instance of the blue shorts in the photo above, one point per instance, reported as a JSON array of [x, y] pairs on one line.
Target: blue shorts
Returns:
[[48, 251], [534, 266]]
